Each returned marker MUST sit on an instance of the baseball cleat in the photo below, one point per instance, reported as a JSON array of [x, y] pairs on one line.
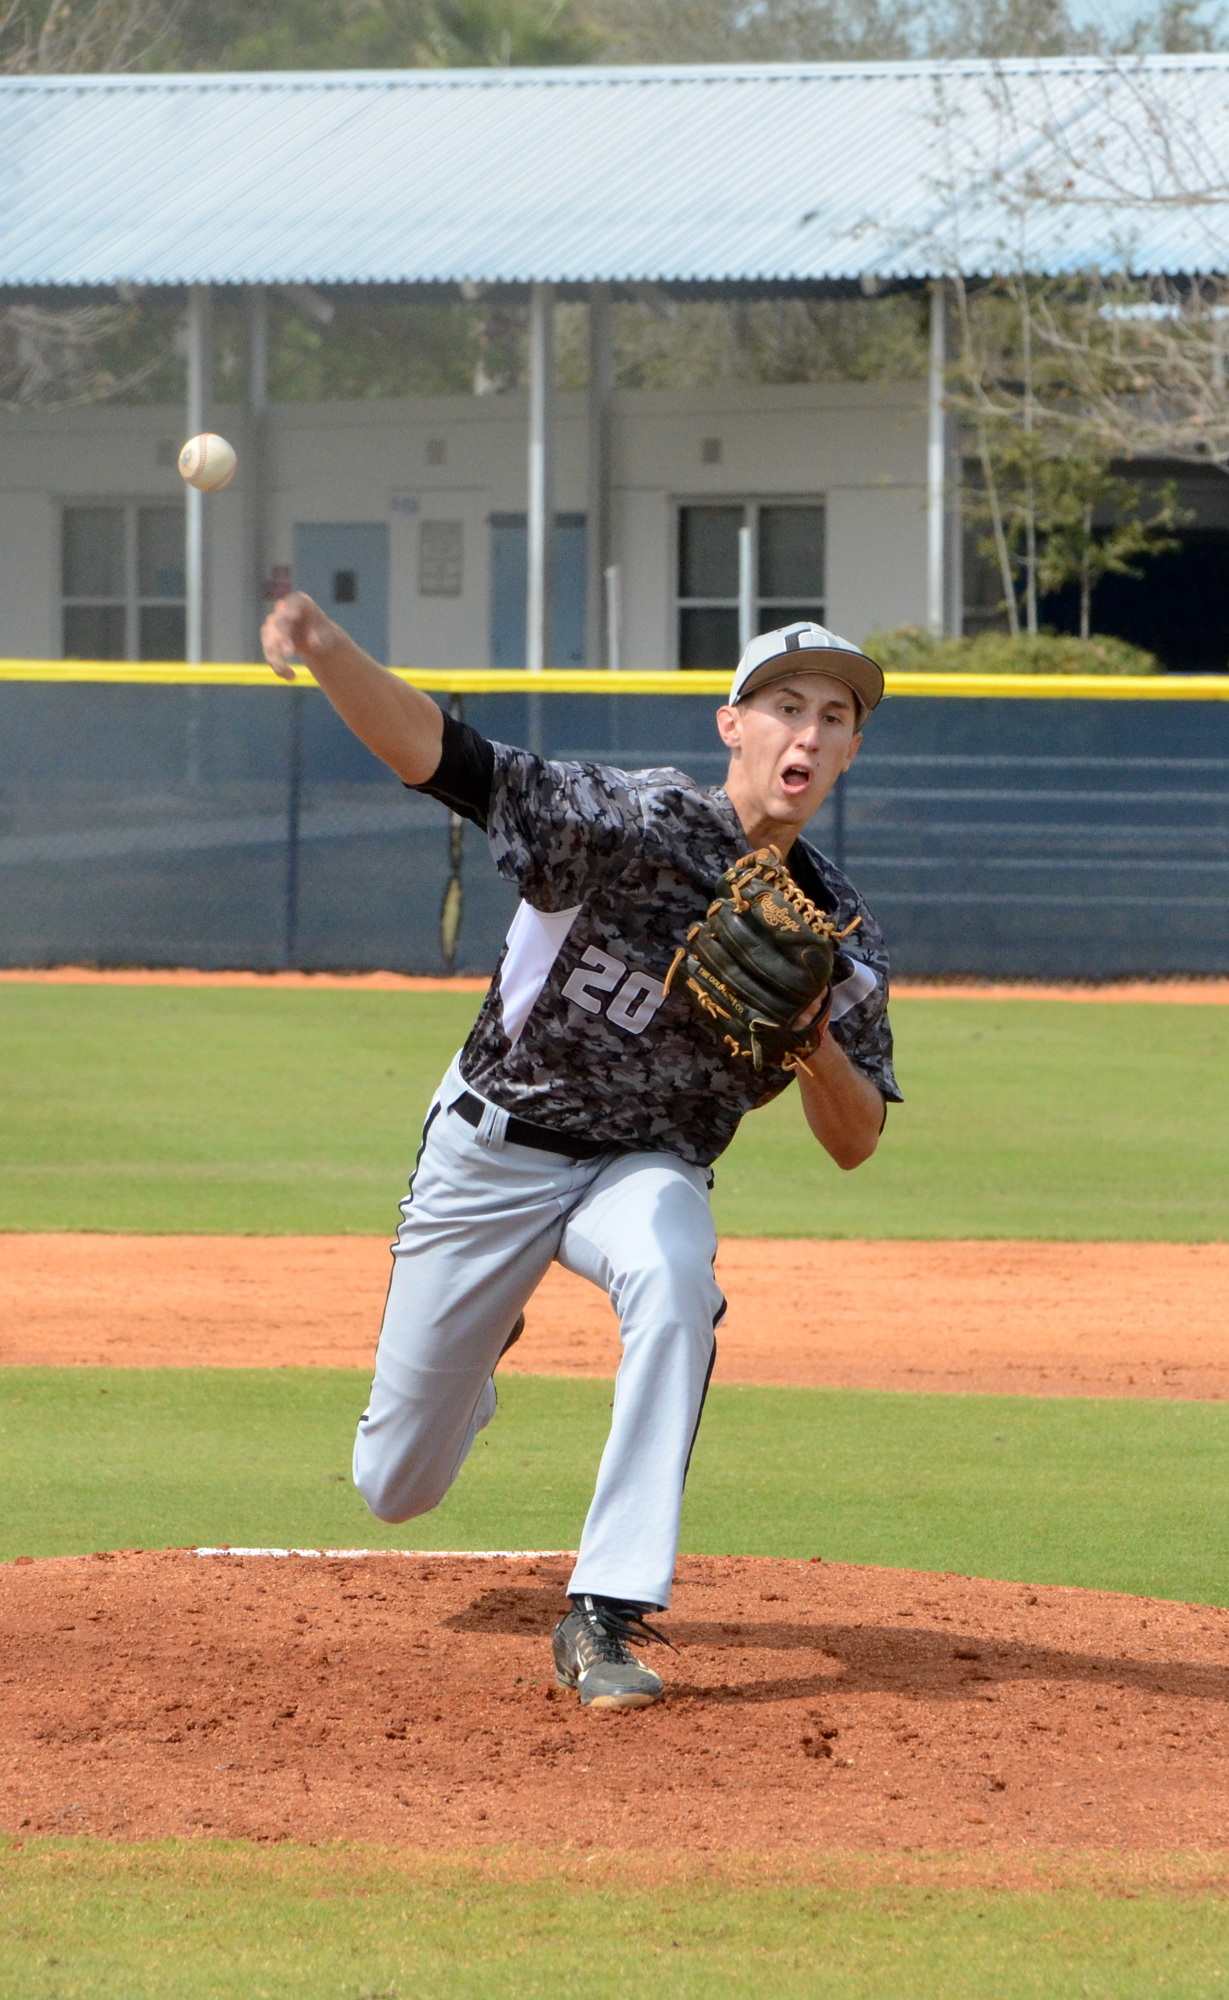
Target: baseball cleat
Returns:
[[593, 1656]]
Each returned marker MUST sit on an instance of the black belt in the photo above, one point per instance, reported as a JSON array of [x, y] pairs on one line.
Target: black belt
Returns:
[[521, 1133]]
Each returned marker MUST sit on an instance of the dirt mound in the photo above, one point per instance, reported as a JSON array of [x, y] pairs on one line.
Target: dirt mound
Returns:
[[410, 1699], [1085, 1319]]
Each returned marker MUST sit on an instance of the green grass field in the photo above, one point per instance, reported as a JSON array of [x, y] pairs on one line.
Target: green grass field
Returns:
[[287, 1111], [291, 1111], [96, 1921], [1115, 1495]]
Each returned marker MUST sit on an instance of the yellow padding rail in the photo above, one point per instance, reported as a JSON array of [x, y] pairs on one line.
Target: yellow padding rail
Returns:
[[585, 680]]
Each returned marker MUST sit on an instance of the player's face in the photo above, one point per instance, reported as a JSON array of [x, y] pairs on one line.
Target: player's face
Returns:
[[789, 743]]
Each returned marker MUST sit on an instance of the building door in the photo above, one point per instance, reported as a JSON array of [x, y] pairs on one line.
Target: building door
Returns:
[[509, 588], [344, 566]]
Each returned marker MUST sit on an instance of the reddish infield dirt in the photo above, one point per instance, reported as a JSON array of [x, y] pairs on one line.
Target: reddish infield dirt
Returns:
[[1089, 1319], [411, 1699]]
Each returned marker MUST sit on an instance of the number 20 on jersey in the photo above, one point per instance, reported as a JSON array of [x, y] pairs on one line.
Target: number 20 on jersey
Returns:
[[602, 984]]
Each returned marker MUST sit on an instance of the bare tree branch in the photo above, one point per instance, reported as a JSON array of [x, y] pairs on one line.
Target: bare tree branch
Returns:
[[50, 358], [68, 37]]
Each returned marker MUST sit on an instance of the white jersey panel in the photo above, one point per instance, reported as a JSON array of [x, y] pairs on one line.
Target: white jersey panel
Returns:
[[535, 940], [851, 991]]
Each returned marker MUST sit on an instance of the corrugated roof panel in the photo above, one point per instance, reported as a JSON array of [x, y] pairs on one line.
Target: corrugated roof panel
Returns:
[[778, 174]]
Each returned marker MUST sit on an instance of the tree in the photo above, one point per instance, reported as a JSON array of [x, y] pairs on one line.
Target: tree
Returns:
[[997, 28], [49, 356], [54, 357], [729, 31], [726, 31], [510, 32], [1094, 526], [377, 34], [42, 37], [1178, 28], [1038, 377], [1063, 382]]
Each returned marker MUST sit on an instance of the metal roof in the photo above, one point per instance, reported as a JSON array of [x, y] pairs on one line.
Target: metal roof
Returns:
[[776, 174]]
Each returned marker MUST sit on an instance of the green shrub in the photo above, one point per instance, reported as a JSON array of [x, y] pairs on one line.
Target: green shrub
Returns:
[[911, 650]]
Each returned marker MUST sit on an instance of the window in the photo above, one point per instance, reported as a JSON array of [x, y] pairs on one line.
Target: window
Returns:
[[787, 551], [122, 583]]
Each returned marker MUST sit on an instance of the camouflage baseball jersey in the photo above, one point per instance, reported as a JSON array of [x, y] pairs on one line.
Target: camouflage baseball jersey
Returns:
[[613, 867]]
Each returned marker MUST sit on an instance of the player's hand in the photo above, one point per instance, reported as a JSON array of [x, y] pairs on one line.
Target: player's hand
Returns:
[[296, 625], [816, 1008]]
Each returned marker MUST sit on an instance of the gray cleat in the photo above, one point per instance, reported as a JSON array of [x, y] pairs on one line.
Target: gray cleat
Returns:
[[593, 1656]]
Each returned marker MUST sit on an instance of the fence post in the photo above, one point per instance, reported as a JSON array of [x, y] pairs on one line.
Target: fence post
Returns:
[[294, 802], [453, 904], [838, 820]]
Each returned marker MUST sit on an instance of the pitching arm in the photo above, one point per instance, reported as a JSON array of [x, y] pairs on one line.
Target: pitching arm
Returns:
[[398, 723]]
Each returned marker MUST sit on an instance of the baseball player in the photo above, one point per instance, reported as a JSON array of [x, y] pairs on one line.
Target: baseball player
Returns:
[[581, 1119]]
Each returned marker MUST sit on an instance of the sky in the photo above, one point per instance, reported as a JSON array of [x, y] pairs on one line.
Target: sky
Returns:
[[1115, 15]]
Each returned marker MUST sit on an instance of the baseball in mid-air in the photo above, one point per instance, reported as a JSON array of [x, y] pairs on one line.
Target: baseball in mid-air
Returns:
[[208, 462]]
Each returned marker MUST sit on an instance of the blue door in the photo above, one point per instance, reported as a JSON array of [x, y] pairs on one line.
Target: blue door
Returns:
[[509, 585], [344, 566]]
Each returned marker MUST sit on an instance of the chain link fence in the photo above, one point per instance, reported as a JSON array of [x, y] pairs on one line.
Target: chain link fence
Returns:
[[244, 827]]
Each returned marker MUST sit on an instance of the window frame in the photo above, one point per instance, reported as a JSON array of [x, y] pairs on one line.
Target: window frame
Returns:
[[131, 603], [751, 504]]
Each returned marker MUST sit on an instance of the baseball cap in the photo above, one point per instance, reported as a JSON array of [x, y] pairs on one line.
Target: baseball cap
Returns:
[[807, 648]]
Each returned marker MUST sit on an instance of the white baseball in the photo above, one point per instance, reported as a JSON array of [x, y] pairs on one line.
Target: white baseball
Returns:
[[208, 462]]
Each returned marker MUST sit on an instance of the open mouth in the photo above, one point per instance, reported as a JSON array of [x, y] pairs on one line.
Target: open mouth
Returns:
[[795, 778]]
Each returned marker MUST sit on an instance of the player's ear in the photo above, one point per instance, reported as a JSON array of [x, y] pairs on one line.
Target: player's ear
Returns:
[[729, 726], [854, 748]]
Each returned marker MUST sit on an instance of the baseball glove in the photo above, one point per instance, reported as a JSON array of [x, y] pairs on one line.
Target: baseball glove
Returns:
[[762, 954]]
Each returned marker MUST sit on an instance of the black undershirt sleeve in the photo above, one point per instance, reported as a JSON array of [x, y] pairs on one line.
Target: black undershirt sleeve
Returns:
[[463, 778], [808, 877], [810, 881]]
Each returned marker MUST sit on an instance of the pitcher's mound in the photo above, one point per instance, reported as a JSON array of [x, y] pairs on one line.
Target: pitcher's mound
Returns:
[[412, 1699]]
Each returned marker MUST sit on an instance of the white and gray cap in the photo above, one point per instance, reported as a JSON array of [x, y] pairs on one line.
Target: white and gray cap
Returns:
[[807, 649]]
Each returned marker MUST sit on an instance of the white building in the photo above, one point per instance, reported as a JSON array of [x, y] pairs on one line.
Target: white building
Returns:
[[426, 524], [408, 519]]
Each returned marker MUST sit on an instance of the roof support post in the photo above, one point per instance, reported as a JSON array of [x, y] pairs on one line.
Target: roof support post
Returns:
[[598, 539], [746, 588], [257, 479], [539, 606], [954, 565], [200, 372], [936, 463]]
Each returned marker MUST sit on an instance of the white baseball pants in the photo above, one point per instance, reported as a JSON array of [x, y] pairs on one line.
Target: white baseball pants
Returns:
[[482, 1222]]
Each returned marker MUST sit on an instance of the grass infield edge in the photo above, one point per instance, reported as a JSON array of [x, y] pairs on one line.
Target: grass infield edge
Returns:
[[1112, 1872]]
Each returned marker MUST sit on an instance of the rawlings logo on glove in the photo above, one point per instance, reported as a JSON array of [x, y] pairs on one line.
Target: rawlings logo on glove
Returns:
[[762, 956]]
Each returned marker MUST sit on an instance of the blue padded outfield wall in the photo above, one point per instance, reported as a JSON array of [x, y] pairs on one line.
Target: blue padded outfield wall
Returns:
[[236, 826]]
